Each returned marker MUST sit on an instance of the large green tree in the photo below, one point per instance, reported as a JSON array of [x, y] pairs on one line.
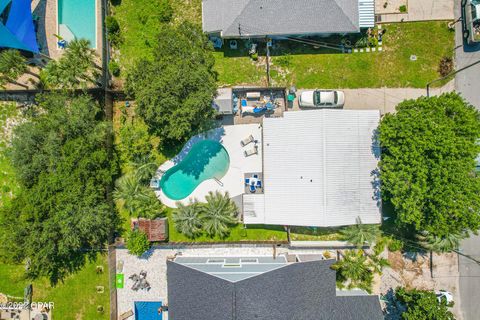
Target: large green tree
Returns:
[[422, 305], [428, 159], [62, 214], [174, 91]]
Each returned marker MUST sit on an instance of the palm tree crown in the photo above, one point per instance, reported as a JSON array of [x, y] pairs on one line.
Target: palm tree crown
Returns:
[[187, 219], [219, 212], [361, 234]]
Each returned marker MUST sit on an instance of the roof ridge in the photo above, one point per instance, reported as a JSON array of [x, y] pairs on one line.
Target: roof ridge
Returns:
[[345, 14]]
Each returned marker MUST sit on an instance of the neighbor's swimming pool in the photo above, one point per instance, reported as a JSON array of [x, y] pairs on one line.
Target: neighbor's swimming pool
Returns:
[[207, 159], [80, 18], [146, 310]]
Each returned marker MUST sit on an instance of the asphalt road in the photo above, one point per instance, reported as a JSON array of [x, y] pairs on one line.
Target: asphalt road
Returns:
[[467, 82]]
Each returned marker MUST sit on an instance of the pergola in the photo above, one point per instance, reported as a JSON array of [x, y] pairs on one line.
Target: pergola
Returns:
[[16, 25]]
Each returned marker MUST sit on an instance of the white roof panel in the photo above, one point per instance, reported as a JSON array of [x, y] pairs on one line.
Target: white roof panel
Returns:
[[318, 168]]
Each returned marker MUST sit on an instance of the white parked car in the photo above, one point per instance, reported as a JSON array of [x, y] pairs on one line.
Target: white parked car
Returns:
[[444, 295], [322, 99]]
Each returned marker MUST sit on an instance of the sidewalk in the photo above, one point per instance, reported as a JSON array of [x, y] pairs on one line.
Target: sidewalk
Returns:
[[383, 99], [422, 10]]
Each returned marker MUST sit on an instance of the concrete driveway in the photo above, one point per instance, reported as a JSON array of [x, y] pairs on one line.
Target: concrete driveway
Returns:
[[467, 82], [383, 99]]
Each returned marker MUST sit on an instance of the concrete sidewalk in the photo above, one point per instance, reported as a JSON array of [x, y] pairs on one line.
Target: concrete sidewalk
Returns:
[[383, 99], [422, 10]]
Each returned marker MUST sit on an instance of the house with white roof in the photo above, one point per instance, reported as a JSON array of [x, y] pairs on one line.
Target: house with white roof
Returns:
[[319, 169]]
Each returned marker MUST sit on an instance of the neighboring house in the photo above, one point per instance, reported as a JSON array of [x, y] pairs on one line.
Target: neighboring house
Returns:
[[156, 230], [319, 169], [280, 18], [267, 288]]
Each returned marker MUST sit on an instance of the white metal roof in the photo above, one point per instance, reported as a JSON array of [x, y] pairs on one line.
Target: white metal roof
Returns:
[[318, 168], [366, 12]]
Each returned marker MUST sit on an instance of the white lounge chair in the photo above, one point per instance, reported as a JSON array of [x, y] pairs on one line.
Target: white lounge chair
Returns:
[[251, 152], [247, 140]]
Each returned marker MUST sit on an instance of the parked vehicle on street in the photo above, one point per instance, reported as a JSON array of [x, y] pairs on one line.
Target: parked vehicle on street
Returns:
[[321, 99], [471, 20]]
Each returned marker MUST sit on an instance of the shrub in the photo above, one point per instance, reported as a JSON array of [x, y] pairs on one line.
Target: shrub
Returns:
[[395, 245], [114, 68], [254, 56], [403, 8], [445, 66], [284, 61], [137, 242], [166, 11], [113, 30]]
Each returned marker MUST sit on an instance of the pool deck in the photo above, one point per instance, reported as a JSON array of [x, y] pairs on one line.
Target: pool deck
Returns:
[[154, 262], [233, 181], [46, 10]]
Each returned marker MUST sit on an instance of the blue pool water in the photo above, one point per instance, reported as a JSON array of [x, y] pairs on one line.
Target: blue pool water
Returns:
[[207, 159], [80, 17], [146, 310]]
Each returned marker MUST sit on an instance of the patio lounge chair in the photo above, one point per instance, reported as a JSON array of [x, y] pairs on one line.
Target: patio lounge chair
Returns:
[[247, 181], [126, 315], [255, 176], [252, 188], [247, 140], [251, 152], [259, 184]]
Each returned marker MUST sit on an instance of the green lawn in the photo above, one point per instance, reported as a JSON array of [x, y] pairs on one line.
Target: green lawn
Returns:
[[390, 68], [74, 299], [8, 184]]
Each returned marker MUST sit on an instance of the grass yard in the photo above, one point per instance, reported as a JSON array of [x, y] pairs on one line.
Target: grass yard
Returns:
[[390, 68], [8, 184], [74, 299]]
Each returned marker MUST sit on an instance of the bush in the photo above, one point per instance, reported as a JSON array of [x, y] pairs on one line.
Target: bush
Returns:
[[137, 242], [114, 68], [445, 66], [284, 61], [395, 245], [403, 8], [254, 56], [166, 11], [113, 30]]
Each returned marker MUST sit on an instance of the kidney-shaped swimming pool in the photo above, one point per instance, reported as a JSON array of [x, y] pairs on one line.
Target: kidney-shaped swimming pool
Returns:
[[207, 159]]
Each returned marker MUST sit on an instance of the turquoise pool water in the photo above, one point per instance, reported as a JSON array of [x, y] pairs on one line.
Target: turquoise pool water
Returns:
[[80, 17], [146, 310], [207, 159]]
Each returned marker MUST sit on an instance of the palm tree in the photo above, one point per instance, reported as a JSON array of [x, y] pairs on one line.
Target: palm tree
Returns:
[[148, 205], [361, 234], [446, 243], [75, 69], [79, 49], [354, 270], [187, 219], [12, 66], [218, 213], [130, 192]]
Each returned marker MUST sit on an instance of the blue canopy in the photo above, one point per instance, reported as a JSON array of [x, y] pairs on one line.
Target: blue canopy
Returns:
[[18, 32]]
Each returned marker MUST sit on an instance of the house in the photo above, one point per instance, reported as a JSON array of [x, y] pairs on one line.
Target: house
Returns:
[[267, 288], [283, 18], [156, 230], [319, 169]]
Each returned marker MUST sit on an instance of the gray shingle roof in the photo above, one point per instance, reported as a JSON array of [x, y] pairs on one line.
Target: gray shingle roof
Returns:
[[299, 291], [279, 17]]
